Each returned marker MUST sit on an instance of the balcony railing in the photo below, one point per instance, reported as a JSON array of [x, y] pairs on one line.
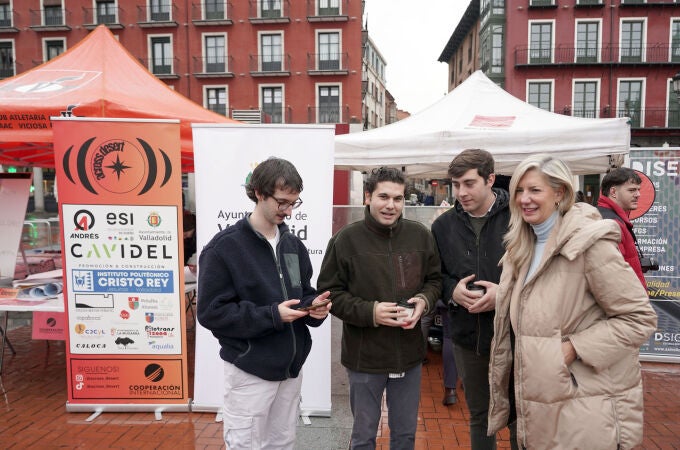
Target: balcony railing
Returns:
[[610, 54], [269, 11], [161, 67], [327, 114], [157, 15], [213, 66], [330, 63], [50, 19], [211, 13], [6, 16], [653, 117], [331, 11], [269, 65], [95, 16]]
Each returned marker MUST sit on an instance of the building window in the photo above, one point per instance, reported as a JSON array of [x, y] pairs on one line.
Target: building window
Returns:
[[630, 101], [216, 100], [272, 104], [5, 15], [214, 9], [6, 59], [673, 107], [540, 94], [215, 51], [329, 7], [53, 48], [587, 41], [161, 55], [53, 15], [675, 41], [160, 10], [271, 52], [540, 43], [106, 12], [329, 51], [270, 9], [329, 104], [631, 41], [585, 99], [497, 49]]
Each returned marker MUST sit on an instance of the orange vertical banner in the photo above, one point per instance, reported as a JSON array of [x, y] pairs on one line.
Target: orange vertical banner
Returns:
[[120, 209]]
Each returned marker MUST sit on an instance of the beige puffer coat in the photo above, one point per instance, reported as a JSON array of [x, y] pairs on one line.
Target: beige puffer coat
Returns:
[[584, 291]]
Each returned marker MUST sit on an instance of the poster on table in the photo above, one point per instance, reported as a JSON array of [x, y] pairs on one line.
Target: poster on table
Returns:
[[120, 209], [657, 228], [14, 191], [224, 158]]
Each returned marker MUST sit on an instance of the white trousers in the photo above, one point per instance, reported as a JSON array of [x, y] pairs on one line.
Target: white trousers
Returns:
[[259, 414]]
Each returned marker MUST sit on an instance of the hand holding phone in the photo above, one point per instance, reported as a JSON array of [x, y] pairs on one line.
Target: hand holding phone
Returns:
[[315, 306]]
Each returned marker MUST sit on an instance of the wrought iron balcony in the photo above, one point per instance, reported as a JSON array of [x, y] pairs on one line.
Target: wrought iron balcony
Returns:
[[112, 17], [213, 66], [50, 19], [328, 63], [269, 65], [652, 117], [161, 67], [330, 11], [327, 114], [661, 53], [158, 15], [269, 11], [207, 13]]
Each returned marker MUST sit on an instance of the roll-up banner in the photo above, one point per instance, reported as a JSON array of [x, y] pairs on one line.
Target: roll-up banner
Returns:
[[120, 209], [657, 228], [224, 158]]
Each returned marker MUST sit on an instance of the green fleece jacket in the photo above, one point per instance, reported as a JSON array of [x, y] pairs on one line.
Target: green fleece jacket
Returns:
[[365, 263]]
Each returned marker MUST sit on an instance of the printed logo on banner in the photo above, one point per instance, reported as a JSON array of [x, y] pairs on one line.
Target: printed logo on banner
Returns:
[[137, 281], [149, 317], [94, 301], [123, 342], [133, 302], [117, 166], [154, 219], [82, 280]]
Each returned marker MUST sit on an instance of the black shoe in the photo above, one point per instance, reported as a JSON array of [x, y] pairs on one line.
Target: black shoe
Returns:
[[449, 397]]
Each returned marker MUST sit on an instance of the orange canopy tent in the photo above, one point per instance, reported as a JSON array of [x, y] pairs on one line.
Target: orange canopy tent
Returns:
[[97, 77]]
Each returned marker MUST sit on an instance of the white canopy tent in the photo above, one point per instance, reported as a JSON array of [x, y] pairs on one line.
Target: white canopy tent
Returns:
[[479, 114]]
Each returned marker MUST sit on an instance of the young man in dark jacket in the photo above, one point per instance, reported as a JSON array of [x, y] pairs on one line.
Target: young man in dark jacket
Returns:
[[383, 274], [470, 241], [620, 195], [254, 276]]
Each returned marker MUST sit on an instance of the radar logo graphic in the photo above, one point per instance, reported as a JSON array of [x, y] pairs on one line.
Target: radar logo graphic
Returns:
[[117, 166]]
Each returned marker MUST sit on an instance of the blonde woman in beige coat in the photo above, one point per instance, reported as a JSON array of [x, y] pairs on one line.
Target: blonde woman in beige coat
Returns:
[[570, 318]]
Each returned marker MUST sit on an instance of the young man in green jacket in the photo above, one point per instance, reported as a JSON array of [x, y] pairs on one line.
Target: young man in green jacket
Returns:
[[383, 273]]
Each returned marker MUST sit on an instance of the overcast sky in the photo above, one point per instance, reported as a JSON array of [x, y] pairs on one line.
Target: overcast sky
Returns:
[[411, 35]]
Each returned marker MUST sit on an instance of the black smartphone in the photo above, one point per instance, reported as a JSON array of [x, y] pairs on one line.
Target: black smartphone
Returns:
[[315, 306]]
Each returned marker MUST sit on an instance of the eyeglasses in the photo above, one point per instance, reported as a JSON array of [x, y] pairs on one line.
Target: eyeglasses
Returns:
[[284, 204]]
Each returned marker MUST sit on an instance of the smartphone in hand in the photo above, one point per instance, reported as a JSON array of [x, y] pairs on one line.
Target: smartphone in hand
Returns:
[[315, 306]]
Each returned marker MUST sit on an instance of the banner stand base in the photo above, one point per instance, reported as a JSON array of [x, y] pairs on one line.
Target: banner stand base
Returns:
[[98, 409]]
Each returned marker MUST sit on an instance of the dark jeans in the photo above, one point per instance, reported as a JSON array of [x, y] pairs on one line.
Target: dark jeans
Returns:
[[474, 371], [365, 398]]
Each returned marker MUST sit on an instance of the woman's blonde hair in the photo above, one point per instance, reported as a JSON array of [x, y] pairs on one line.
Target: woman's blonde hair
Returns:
[[520, 238]]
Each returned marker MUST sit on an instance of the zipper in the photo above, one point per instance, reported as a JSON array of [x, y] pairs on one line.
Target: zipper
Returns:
[[282, 281]]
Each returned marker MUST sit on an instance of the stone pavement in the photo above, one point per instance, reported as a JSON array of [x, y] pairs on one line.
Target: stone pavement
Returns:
[[33, 416]]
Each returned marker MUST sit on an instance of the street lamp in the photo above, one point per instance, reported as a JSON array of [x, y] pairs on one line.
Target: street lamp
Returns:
[[676, 85]]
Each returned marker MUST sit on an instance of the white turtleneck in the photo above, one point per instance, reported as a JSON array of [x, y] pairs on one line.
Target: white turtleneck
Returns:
[[542, 231]]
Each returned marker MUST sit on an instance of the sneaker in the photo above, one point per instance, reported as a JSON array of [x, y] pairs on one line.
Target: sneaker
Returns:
[[449, 397]]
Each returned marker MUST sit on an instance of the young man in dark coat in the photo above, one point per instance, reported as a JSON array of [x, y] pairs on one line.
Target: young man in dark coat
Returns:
[[254, 277]]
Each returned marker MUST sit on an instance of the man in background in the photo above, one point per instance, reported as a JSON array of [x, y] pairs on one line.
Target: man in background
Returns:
[[383, 275], [620, 195]]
